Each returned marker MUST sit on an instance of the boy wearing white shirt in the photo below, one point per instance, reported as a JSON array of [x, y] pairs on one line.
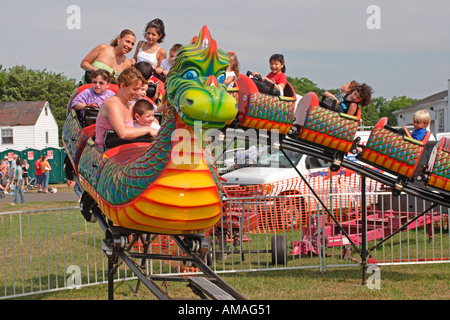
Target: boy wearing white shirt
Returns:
[[144, 113]]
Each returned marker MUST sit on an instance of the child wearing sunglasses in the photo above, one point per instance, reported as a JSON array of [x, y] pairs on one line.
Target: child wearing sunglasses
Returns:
[[93, 97]]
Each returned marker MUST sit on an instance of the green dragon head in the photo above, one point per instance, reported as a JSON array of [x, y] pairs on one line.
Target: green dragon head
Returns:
[[194, 85]]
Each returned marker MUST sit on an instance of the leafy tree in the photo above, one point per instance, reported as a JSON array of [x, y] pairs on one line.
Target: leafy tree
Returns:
[[21, 84], [303, 85], [378, 108], [370, 114], [397, 103]]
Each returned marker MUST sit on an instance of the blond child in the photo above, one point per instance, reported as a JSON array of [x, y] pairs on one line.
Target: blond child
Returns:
[[421, 121], [167, 63]]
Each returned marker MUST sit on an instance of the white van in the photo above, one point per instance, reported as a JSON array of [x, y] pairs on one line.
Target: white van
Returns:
[[274, 167]]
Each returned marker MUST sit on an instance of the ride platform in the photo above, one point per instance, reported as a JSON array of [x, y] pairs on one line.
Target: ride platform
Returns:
[[118, 246]]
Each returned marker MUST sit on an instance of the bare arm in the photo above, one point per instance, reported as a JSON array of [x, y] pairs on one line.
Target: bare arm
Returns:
[[408, 134], [86, 63], [116, 118], [229, 80], [282, 85], [352, 109], [139, 45], [161, 55]]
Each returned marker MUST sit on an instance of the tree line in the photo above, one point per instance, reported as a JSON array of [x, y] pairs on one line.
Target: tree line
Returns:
[[379, 107], [19, 83]]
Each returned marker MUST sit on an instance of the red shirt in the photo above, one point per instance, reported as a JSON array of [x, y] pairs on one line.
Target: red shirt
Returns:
[[38, 168], [277, 78]]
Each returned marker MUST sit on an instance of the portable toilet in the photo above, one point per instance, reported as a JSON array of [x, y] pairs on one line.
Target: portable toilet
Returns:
[[54, 158], [31, 155], [10, 154]]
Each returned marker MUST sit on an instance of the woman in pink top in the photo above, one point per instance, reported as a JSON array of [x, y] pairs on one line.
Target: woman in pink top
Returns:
[[116, 112]]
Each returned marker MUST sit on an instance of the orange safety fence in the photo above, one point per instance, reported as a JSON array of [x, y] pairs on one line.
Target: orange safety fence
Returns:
[[165, 245], [286, 204]]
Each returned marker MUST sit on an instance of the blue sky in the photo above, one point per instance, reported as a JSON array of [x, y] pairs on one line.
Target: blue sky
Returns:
[[325, 41]]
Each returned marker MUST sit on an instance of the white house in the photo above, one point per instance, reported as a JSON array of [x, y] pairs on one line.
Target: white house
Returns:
[[438, 107], [27, 124]]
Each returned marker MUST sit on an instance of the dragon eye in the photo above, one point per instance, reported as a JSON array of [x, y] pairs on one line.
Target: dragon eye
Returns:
[[190, 75], [221, 78]]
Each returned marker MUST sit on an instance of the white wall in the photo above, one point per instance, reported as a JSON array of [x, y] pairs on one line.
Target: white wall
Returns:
[[35, 136], [441, 109], [46, 123]]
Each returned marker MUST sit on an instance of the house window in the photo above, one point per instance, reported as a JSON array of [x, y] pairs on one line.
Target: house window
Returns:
[[7, 136], [46, 111], [441, 119], [46, 137]]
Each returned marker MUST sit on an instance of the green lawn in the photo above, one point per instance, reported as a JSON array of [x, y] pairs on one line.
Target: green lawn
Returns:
[[53, 240]]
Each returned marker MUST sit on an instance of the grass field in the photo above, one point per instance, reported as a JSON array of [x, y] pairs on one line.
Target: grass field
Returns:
[[396, 282], [408, 282]]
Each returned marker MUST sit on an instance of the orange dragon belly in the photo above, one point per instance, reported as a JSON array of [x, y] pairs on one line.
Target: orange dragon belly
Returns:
[[184, 198]]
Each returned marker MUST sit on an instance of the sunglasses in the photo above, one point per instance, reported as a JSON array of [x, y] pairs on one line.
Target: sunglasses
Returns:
[[102, 83]]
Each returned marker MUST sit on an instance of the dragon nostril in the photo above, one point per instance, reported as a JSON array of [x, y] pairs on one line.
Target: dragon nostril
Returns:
[[190, 102]]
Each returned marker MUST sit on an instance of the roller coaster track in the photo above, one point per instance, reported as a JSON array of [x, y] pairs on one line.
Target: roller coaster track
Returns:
[[116, 248], [434, 196]]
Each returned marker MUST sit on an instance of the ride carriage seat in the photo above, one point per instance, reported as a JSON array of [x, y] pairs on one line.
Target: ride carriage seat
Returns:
[[393, 152], [330, 129], [439, 165], [88, 117], [405, 137], [331, 104], [125, 153], [112, 140], [446, 145]]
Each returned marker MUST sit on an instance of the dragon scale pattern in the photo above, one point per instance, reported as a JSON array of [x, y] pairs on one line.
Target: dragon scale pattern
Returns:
[[329, 129], [440, 175], [269, 112], [391, 151]]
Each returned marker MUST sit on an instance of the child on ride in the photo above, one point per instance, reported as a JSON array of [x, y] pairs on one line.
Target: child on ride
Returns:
[[144, 113], [361, 95], [166, 64], [232, 72], [116, 113], [421, 120], [277, 74], [93, 97], [151, 88], [357, 94], [345, 88], [150, 50]]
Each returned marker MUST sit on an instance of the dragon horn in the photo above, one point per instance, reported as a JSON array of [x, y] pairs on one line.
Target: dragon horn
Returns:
[[204, 38], [212, 81], [212, 50]]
